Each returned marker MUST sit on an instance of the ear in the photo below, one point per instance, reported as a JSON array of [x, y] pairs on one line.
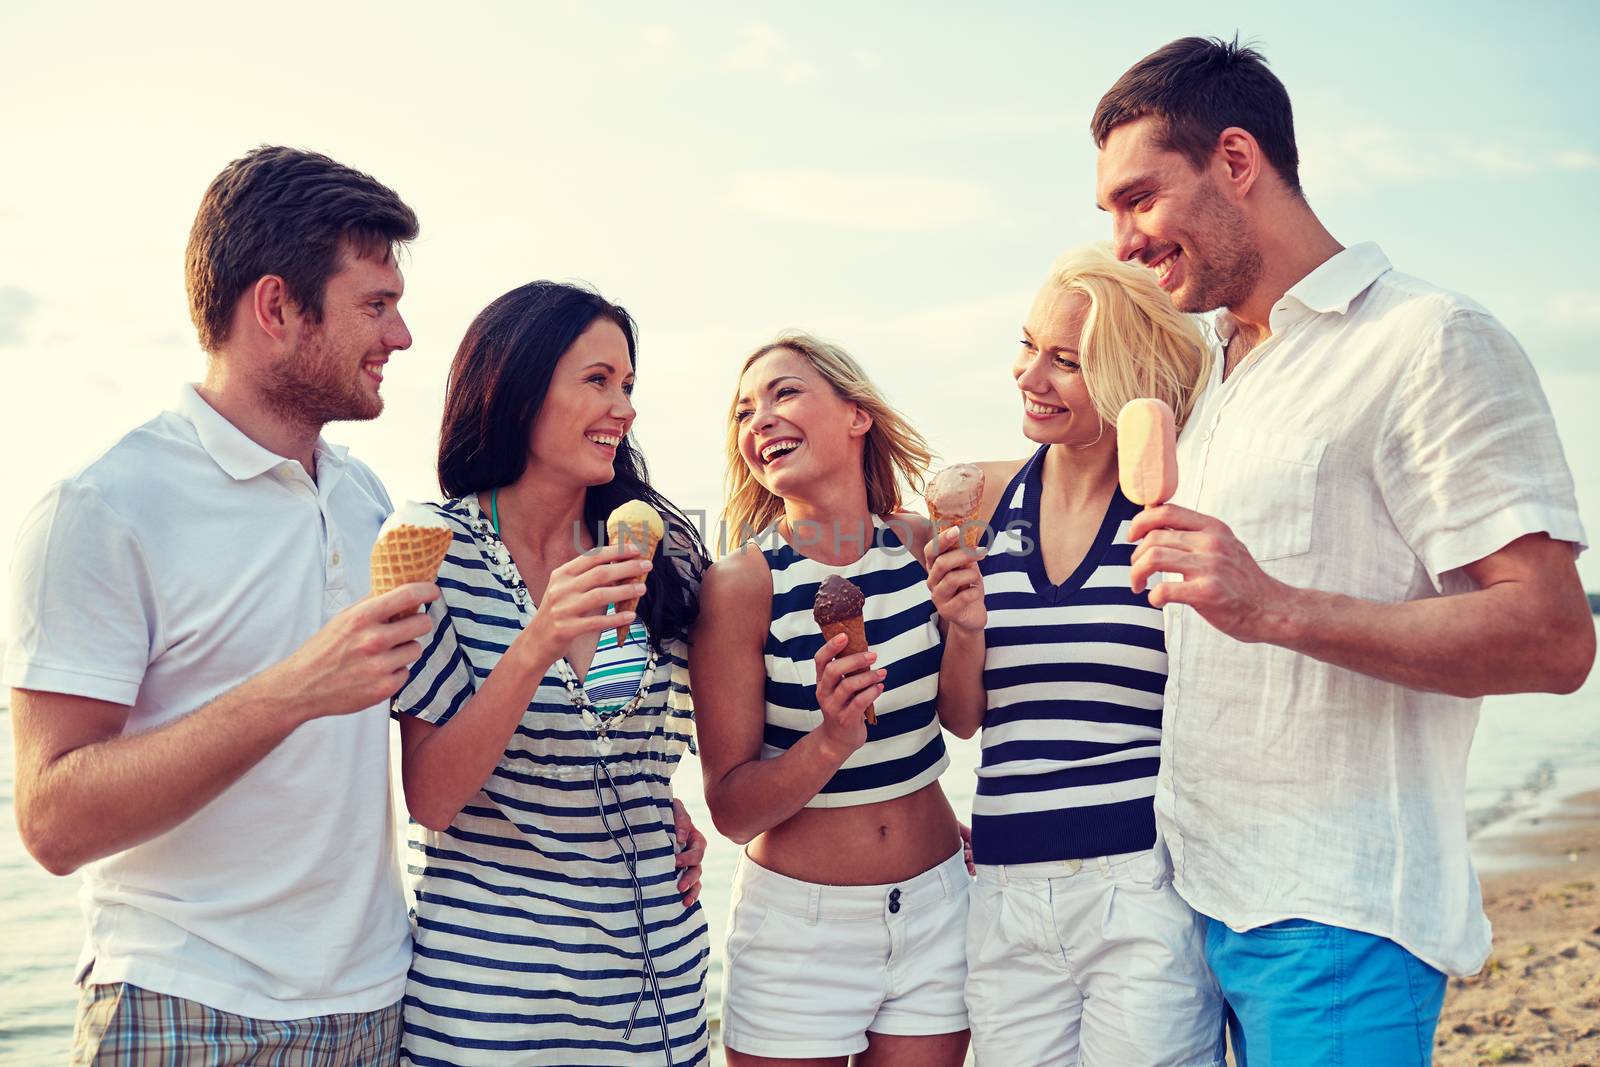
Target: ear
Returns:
[[1240, 160], [271, 308], [860, 422]]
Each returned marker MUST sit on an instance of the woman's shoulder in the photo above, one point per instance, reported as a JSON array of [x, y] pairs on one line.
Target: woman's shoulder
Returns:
[[1000, 470], [997, 474], [736, 593], [742, 572], [474, 562], [455, 510]]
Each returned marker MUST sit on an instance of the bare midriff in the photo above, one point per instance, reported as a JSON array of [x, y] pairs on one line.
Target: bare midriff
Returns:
[[867, 844]]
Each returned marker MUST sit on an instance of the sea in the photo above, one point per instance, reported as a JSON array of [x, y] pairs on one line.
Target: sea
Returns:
[[1529, 751]]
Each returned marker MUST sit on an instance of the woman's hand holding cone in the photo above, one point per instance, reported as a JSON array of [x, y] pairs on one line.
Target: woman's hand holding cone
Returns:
[[955, 582], [846, 688], [577, 595]]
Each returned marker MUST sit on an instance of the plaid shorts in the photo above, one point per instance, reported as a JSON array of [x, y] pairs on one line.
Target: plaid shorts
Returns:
[[121, 1025]]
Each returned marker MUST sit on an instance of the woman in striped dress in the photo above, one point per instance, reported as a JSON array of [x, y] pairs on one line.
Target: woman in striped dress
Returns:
[[1079, 950], [556, 920], [847, 931]]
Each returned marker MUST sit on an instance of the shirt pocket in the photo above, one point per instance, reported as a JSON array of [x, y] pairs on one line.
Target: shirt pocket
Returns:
[[1271, 493]]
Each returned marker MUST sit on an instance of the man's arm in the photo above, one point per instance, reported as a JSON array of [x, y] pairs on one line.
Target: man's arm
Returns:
[[84, 791], [1526, 628]]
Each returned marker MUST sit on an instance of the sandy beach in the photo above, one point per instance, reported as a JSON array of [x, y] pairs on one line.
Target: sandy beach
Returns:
[[1537, 1000]]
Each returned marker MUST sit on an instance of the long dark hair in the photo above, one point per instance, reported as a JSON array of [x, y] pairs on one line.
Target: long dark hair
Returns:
[[498, 383]]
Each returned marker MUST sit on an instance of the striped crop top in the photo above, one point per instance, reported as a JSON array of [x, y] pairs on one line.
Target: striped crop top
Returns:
[[905, 748], [1074, 675]]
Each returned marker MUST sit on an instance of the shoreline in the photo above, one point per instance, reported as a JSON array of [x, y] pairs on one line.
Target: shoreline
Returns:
[[1537, 999]]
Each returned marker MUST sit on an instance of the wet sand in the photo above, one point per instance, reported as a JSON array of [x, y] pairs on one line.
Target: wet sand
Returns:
[[1537, 1000]]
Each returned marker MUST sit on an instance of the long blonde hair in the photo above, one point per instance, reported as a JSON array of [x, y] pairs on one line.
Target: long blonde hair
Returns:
[[1135, 343], [894, 461]]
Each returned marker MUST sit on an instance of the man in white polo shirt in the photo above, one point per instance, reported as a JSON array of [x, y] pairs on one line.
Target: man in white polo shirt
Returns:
[[1374, 527], [199, 687]]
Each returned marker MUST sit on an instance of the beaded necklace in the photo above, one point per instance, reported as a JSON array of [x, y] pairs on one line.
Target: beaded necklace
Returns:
[[601, 721]]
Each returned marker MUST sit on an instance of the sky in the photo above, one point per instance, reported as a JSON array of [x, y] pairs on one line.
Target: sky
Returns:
[[896, 178]]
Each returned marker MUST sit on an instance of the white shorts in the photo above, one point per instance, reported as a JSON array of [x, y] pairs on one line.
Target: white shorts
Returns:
[[812, 968], [1096, 961]]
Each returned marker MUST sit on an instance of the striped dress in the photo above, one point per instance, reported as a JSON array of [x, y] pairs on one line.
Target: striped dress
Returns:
[[905, 748], [1074, 675], [530, 905]]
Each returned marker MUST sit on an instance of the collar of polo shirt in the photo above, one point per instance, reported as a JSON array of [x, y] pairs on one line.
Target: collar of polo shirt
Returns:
[[239, 456]]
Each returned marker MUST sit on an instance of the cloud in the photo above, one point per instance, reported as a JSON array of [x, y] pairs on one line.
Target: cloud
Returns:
[[867, 59], [1498, 159], [1576, 159], [760, 47], [861, 201], [799, 71], [16, 308], [1558, 330], [1000, 124], [1358, 155], [1342, 159], [1574, 310], [658, 41], [755, 47]]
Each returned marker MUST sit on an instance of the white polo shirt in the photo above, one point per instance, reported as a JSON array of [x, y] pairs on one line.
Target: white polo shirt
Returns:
[[185, 560], [1387, 434]]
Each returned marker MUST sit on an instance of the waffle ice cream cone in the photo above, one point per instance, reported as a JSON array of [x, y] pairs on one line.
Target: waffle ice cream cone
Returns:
[[410, 546], [954, 496], [838, 611], [635, 523]]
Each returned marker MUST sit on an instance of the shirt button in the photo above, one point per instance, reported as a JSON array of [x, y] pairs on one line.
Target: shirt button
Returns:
[[335, 560]]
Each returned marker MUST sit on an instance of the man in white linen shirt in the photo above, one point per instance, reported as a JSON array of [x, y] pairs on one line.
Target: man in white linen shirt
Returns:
[[1374, 527], [200, 684]]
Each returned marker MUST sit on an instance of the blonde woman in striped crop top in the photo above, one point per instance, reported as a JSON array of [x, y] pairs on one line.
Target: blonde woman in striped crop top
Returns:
[[847, 931], [1080, 950]]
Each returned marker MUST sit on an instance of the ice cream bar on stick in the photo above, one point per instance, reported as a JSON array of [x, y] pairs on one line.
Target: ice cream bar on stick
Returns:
[[838, 611], [1147, 452], [953, 499], [635, 523], [411, 544]]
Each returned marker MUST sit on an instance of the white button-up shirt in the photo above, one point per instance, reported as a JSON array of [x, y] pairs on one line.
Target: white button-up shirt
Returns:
[[1385, 435], [180, 563]]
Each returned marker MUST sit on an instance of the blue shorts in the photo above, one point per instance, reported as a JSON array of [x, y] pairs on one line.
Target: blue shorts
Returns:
[[1300, 992]]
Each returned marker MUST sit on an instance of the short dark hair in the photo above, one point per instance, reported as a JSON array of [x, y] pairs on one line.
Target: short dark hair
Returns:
[[498, 383], [1197, 87], [287, 212]]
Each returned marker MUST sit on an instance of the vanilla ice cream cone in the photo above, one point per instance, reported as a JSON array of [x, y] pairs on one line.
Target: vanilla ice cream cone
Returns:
[[635, 523], [411, 544]]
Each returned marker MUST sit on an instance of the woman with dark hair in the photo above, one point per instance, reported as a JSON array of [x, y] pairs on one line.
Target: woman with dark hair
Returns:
[[555, 876]]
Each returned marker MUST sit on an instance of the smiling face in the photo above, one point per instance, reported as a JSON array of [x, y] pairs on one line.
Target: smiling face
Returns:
[[794, 430], [1177, 220], [1056, 408], [335, 368], [588, 409]]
